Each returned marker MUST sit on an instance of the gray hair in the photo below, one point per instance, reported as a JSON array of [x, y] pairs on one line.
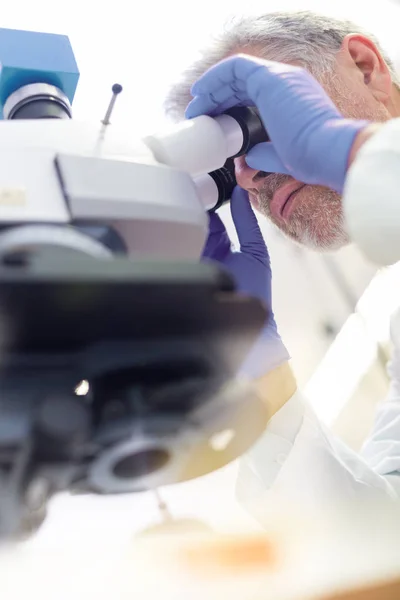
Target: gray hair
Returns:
[[307, 38]]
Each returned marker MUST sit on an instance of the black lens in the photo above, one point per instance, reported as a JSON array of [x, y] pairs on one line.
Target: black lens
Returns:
[[251, 125], [225, 181]]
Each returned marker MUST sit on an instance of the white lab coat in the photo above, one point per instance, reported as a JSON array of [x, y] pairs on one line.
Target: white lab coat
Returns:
[[298, 457]]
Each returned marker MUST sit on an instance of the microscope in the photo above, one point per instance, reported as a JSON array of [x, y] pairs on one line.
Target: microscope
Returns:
[[118, 347]]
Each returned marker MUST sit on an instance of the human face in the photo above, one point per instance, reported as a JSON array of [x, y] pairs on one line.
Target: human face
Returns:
[[314, 217]]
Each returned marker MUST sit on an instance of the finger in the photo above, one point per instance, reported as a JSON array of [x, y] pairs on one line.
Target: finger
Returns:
[[207, 104], [218, 243], [231, 72], [263, 157], [222, 86], [215, 225], [248, 230]]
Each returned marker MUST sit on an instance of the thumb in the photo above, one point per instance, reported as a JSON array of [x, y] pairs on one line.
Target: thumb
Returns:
[[215, 225], [263, 157], [247, 228], [218, 242]]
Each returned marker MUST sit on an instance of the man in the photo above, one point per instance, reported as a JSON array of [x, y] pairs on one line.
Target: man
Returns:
[[302, 197], [349, 64]]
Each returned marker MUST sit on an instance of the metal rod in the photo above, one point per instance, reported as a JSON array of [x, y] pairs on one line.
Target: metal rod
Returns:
[[162, 506], [116, 90]]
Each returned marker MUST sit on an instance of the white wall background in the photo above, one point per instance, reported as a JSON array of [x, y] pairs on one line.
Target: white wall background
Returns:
[[144, 46]]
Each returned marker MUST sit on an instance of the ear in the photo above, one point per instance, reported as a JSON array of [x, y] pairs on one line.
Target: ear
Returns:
[[366, 57]]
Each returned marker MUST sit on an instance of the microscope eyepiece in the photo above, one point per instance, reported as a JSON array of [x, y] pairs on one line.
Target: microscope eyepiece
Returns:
[[215, 188], [252, 127], [204, 148], [223, 180], [203, 144]]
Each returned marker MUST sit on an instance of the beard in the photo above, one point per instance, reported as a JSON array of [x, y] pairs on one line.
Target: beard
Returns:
[[317, 219]]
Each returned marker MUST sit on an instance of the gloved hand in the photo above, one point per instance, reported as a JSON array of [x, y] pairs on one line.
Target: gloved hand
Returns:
[[251, 269], [310, 139]]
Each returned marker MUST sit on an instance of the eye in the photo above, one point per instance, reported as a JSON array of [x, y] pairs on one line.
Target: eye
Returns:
[[260, 175]]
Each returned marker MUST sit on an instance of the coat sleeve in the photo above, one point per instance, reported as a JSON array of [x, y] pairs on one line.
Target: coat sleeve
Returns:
[[298, 457]]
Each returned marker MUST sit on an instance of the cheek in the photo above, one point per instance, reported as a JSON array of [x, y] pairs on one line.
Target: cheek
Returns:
[[254, 202], [353, 99], [318, 204]]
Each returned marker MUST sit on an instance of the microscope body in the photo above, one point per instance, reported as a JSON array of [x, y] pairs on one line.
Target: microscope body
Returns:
[[101, 290], [64, 172]]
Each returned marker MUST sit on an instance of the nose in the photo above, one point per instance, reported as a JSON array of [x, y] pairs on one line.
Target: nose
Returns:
[[248, 179]]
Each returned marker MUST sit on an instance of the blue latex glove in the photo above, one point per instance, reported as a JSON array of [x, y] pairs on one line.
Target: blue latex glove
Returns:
[[310, 139], [251, 269]]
